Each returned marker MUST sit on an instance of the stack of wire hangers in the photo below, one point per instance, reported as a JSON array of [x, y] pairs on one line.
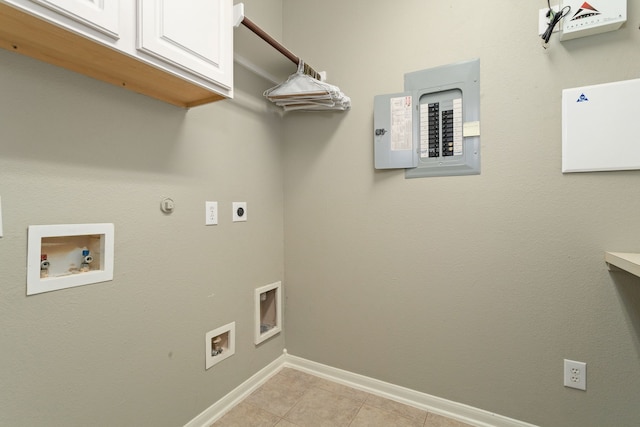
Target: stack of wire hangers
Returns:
[[305, 93]]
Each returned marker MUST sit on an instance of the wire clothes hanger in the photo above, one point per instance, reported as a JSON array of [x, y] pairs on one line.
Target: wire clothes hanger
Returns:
[[305, 90], [305, 93]]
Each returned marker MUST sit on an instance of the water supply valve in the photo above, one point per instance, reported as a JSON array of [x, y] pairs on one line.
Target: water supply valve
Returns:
[[44, 266], [86, 260]]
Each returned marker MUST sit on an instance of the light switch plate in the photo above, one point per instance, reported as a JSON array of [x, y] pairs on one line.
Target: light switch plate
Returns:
[[211, 213]]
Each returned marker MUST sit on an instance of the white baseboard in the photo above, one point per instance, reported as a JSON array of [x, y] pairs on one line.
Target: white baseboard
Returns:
[[214, 412], [426, 402]]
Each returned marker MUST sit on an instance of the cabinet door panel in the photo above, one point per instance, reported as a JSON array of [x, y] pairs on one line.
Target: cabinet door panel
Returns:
[[101, 15], [195, 35]]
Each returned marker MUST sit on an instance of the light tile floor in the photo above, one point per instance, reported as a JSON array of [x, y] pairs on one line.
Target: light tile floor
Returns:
[[293, 398]]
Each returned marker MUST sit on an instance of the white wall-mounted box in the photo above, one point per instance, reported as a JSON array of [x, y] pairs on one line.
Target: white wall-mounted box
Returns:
[[590, 17], [74, 254], [268, 311], [220, 344], [599, 127]]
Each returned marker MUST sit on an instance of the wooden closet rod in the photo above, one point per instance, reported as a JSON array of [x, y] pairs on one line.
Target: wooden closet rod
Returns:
[[279, 47]]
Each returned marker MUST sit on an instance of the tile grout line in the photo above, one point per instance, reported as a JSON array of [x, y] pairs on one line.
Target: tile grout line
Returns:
[[320, 386], [357, 412], [294, 405], [362, 403]]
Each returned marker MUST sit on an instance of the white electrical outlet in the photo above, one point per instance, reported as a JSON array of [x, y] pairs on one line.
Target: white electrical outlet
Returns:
[[575, 374], [211, 213], [239, 211]]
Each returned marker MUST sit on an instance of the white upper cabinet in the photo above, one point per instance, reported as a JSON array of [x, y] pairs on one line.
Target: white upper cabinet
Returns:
[[194, 35], [189, 44], [101, 15]]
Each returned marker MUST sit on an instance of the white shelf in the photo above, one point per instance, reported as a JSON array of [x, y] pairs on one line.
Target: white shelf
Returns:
[[629, 262]]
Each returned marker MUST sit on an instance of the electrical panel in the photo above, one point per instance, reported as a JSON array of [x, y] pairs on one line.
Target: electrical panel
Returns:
[[433, 128], [599, 127], [585, 18]]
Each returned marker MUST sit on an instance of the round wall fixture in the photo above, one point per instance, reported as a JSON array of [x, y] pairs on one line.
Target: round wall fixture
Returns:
[[167, 205]]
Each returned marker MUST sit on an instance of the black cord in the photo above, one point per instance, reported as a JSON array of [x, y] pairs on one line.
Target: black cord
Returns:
[[554, 18]]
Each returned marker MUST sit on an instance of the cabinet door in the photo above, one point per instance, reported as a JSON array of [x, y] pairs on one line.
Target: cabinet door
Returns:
[[196, 36], [101, 15]]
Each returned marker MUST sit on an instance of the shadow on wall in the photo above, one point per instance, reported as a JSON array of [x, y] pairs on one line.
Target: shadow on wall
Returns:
[[628, 287], [312, 132], [61, 117]]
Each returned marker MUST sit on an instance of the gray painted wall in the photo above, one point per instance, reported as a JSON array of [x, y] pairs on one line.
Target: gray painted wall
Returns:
[[472, 288], [468, 288], [130, 352]]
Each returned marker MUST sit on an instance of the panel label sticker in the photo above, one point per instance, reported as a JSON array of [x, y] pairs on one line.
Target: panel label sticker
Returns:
[[401, 123]]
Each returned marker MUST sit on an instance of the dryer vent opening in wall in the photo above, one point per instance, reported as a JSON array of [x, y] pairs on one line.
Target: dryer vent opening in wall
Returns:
[[268, 311]]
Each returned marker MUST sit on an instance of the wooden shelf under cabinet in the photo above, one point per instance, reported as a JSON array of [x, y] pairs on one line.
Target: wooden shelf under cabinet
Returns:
[[30, 36]]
